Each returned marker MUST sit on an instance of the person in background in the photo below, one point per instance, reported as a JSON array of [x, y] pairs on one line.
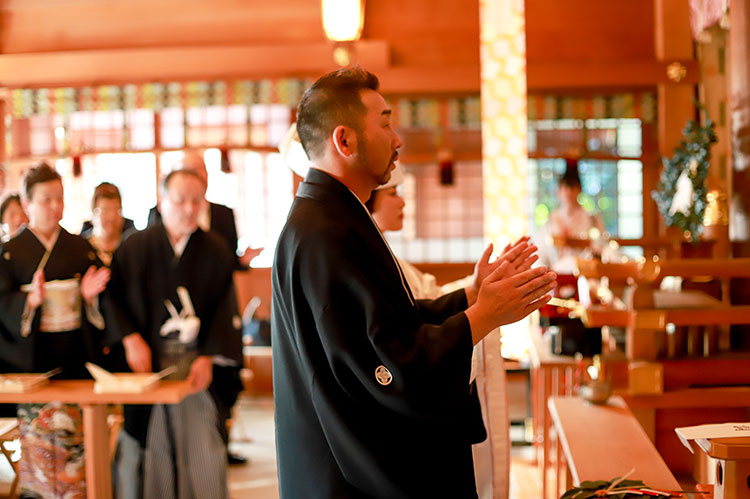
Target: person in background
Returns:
[[12, 220], [50, 281], [372, 387], [219, 219], [177, 447], [492, 456], [569, 221], [214, 217], [12, 216], [108, 227]]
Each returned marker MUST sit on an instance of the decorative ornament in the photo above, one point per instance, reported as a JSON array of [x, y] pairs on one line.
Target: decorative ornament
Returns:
[[676, 72], [681, 192], [616, 488]]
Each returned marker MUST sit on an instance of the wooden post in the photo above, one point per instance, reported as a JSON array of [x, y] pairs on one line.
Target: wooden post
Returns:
[[96, 451], [739, 111], [673, 41]]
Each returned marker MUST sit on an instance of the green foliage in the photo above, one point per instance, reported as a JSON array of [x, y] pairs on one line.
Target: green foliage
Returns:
[[588, 489], [693, 155]]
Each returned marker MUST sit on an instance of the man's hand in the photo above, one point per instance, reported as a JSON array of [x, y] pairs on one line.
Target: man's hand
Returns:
[[505, 298], [520, 256], [36, 296], [137, 353], [201, 373], [93, 283], [248, 256]]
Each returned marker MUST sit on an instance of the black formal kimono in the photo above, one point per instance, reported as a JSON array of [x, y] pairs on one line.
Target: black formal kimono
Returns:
[[52, 336], [371, 387], [24, 347], [226, 384], [146, 272]]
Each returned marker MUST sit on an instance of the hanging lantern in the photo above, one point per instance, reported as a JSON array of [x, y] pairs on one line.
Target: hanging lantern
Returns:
[[77, 169], [225, 166], [343, 19], [445, 163]]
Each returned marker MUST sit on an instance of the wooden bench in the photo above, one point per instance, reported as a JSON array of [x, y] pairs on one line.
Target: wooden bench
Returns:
[[601, 442]]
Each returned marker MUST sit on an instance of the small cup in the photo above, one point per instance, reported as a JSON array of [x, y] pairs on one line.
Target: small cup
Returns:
[[596, 392]]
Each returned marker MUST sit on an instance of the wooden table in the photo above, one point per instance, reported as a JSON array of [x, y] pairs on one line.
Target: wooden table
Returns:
[[551, 374], [602, 442], [94, 408]]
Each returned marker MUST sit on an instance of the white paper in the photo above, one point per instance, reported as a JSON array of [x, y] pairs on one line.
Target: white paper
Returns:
[[724, 430]]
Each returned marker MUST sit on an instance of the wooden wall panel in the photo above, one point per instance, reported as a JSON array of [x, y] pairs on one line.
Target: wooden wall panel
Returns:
[[590, 30]]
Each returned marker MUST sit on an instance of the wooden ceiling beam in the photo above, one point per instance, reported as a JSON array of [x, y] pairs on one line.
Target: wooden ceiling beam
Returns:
[[97, 67], [82, 68], [568, 75]]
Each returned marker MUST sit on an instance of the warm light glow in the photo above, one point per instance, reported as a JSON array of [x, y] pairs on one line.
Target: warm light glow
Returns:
[[343, 19]]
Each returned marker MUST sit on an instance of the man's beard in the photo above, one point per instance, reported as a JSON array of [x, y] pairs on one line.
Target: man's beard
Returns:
[[382, 178]]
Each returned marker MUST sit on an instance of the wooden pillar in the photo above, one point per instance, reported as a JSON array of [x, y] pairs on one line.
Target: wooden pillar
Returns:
[[673, 41], [739, 111], [650, 159]]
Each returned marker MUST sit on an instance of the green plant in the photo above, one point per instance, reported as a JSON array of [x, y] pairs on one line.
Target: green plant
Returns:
[[691, 161], [599, 488]]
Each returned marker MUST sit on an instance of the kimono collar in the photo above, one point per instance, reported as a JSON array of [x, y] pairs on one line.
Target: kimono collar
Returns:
[[47, 243], [321, 186]]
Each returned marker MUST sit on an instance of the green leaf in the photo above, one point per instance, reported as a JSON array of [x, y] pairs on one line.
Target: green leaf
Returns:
[[594, 485]]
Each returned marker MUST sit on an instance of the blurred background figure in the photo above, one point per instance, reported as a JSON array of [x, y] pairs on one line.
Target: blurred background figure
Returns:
[[214, 217], [107, 227], [219, 219], [570, 219], [12, 216]]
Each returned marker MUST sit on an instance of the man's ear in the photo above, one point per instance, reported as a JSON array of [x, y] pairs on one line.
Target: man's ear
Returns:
[[345, 141]]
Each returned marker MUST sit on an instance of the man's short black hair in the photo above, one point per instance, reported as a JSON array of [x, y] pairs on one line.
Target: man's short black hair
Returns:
[[38, 174], [181, 171], [335, 99]]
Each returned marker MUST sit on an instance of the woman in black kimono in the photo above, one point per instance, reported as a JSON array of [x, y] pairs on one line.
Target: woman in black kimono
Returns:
[[49, 287]]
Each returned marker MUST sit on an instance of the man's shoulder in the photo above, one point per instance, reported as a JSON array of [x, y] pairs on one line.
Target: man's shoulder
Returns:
[[140, 238], [314, 220], [221, 209]]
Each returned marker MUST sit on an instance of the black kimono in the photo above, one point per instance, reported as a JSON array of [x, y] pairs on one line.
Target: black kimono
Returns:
[[145, 272], [29, 350], [371, 387], [49, 337]]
